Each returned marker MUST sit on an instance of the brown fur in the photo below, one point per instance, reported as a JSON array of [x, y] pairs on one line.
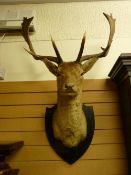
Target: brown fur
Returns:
[[69, 123]]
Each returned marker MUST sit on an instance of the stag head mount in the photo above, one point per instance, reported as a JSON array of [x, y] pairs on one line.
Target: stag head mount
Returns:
[[69, 123]]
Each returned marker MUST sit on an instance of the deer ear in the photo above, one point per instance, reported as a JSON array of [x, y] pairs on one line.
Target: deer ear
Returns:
[[51, 66], [88, 65]]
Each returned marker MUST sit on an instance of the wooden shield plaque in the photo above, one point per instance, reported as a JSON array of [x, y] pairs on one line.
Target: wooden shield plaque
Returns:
[[70, 155]]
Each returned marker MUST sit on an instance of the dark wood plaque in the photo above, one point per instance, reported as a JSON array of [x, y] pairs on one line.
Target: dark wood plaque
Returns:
[[70, 155]]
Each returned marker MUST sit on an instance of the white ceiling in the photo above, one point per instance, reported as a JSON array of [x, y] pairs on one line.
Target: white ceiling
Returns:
[[43, 1]]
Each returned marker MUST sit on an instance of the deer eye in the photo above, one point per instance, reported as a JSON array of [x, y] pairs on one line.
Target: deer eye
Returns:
[[58, 74]]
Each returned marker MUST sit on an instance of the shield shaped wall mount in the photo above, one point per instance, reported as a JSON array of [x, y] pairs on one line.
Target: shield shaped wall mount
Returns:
[[70, 155]]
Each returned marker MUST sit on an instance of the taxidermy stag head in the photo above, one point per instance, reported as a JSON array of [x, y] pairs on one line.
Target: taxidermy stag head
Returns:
[[69, 122]]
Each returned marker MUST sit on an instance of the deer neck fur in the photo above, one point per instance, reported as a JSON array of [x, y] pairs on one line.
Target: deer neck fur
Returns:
[[69, 122], [71, 105]]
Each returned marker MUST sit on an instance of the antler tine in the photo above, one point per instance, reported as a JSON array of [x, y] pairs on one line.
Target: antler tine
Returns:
[[112, 31], [56, 51], [111, 22], [81, 48], [25, 32]]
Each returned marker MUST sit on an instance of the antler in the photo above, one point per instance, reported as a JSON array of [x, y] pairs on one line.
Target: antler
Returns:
[[81, 58], [25, 32], [81, 48]]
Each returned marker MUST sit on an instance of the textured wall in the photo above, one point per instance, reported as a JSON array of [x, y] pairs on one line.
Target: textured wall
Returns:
[[22, 108], [67, 22]]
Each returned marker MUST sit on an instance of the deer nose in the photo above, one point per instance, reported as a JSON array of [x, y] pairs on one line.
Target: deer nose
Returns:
[[69, 86]]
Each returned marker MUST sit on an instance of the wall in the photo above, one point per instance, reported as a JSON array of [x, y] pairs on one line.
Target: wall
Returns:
[[22, 111], [67, 22]]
